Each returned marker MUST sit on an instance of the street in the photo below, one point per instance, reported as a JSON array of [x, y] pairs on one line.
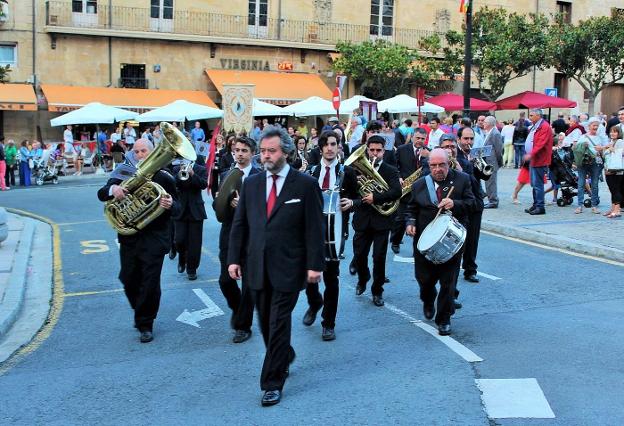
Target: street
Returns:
[[536, 314]]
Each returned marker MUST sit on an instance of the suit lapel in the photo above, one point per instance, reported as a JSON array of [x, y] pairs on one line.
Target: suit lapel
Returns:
[[284, 195], [261, 191]]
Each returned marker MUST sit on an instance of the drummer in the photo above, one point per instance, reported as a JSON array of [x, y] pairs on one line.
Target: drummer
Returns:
[[431, 194], [331, 176]]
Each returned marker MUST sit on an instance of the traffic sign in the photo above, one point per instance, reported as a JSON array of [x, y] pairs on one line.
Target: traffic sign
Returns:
[[551, 91], [336, 98]]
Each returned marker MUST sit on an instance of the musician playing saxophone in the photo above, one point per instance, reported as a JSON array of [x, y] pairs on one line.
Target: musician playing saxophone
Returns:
[[331, 175], [429, 194], [371, 227], [141, 254]]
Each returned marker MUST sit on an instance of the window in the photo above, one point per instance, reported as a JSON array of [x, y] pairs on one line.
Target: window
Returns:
[[162, 9], [382, 12], [565, 9], [258, 13], [133, 76], [8, 54], [561, 84], [84, 6]]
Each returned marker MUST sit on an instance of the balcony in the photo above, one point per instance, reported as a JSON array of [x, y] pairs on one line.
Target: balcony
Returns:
[[132, 22], [133, 83]]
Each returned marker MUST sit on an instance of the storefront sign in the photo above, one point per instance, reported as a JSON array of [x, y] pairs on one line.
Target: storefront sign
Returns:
[[244, 64], [285, 66], [17, 107]]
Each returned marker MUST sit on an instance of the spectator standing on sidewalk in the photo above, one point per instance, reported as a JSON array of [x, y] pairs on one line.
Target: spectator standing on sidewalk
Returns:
[[24, 167], [508, 149], [615, 178], [10, 157], [3, 185], [588, 159], [559, 125], [538, 149]]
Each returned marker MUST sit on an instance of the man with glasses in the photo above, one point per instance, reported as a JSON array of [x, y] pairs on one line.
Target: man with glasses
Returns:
[[409, 158], [428, 195]]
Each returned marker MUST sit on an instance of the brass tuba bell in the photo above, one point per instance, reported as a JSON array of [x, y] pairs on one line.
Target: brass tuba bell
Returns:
[[141, 205]]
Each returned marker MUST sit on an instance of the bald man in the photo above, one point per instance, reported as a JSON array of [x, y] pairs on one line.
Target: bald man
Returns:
[[141, 254], [429, 194]]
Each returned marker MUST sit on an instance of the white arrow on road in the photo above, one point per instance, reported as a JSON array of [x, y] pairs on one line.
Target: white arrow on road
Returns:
[[194, 317]]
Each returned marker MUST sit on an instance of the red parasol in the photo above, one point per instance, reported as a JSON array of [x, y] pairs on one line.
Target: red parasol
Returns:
[[455, 102], [528, 100]]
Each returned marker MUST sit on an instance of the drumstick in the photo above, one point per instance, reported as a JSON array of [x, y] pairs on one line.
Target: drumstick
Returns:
[[447, 196]]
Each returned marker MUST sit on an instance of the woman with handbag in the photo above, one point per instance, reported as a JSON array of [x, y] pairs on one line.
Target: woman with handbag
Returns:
[[24, 165], [588, 159], [614, 170]]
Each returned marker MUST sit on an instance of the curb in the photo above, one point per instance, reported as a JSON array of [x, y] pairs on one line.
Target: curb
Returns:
[[14, 296], [555, 241]]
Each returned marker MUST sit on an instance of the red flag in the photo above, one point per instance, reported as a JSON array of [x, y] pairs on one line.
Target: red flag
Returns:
[[463, 7], [212, 155]]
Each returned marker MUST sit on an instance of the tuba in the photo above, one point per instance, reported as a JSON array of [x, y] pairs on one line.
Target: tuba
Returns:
[[141, 205], [370, 181]]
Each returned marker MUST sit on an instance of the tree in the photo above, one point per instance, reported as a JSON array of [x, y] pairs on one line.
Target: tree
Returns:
[[437, 65], [589, 53], [506, 47], [4, 73]]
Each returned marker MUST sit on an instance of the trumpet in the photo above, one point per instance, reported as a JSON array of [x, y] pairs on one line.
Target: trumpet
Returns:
[[482, 170], [304, 162], [185, 170]]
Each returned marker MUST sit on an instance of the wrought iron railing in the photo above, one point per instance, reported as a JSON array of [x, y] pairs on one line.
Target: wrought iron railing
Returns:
[[134, 83], [122, 18]]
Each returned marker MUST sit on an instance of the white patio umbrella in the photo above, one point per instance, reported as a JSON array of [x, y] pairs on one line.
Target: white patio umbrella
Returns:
[[311, 106], [265, 109], [348, 105], [180, 110], [405, 103], [94, 113]]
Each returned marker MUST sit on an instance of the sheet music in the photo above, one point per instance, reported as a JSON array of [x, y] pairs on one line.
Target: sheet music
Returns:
[[484, 151]]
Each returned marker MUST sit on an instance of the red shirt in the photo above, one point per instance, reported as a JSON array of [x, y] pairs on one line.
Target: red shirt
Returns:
[[541, 155]]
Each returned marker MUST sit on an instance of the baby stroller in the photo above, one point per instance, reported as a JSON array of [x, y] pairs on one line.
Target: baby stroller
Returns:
[[47, 169], [565, 177]]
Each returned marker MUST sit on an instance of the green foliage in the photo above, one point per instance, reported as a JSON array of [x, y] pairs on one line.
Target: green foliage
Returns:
[[589, 52], [4, 73]]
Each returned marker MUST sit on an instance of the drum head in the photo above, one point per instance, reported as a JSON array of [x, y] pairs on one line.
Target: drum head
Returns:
[[433, 232]]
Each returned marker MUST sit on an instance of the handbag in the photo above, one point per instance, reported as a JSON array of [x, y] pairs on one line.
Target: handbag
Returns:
[[615, 161], [31, 163]]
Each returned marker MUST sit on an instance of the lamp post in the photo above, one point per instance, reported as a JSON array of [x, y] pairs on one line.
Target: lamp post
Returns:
[[467, 58]]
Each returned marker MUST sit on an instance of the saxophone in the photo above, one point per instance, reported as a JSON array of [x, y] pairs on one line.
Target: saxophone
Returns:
[[406, 187], [141, 205]]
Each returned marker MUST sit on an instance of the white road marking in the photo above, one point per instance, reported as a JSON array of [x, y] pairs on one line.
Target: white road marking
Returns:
[[514, 398], [117, 242], [402, 259], [194, 317]]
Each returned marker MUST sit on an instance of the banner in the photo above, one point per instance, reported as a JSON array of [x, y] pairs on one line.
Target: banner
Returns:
[[237, 105]]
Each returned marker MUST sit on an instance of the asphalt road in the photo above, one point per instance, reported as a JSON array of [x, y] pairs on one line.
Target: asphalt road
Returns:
[[538, 314]]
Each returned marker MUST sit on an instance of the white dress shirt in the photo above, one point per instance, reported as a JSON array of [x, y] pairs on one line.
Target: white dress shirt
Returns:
[[332, 173], [434, 138], [280, 180], [245, 171]]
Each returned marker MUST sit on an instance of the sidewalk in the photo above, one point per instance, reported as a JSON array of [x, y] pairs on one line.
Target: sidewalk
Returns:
[[585, 233]]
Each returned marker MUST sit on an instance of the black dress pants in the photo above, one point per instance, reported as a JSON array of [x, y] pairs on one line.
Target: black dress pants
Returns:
[[398, 229], [428, 274], [275, 315], [9, 177], [238, 300], [362, 241], [330, 296], [188, 240], [473, 232], [140, 276]]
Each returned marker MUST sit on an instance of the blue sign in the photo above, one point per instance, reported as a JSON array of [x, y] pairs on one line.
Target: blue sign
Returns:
[[551, 91]]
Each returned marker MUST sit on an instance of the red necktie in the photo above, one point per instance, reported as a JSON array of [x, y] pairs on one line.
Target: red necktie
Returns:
[[326, 179], [272, 196], [439, 193]]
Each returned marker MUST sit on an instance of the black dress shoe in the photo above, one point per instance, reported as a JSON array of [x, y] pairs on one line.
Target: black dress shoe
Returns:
[[241, 336], [310, 316], [352, 268], [529, 210], [457, 304], [328, 334], [341, 256], [181, 268], [490, 206], [428, 311], [359, 289], [395, 248], [386, 280], [537, 211], [172, 253], [146, 336], [444, 329], [271, 397], [378, 301], [471, 278], [192, 276]]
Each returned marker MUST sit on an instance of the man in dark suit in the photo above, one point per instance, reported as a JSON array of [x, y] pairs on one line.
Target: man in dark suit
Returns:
[[189, 223], [409, 158], [493, 138], [330, 175], [428, 195], [238, 300], [278, 225], [142, 253], [371, 227]]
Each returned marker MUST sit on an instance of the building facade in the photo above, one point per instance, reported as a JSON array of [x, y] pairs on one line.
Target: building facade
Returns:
[[175, 44]]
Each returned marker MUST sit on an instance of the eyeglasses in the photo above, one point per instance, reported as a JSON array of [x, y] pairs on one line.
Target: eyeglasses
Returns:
[[448, 147]]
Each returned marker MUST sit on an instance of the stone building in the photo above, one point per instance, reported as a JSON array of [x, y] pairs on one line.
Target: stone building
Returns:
[[70, 51]]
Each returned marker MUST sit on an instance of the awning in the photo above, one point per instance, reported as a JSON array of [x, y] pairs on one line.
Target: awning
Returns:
[[278, 88], [69, 98], [17, 97]]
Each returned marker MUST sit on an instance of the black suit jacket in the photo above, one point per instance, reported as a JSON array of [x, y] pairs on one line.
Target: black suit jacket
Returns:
[[366, 216], [190, 193], [475, 183], [408, 163], [421, 210], [289, 242], [155, 237]]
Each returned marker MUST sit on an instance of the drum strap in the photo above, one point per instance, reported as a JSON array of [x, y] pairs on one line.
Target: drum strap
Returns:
[[431, 189]]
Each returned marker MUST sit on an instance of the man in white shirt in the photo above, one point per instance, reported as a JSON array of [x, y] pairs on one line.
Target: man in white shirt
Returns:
[[357, 130], [435, 134], [130, 135]]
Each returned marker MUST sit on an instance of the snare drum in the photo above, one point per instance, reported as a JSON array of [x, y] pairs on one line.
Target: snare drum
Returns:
[[442, 239], [333, 224]]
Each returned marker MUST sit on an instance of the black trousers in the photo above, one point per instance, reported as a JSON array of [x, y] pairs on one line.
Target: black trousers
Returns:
[[238, 300], [614, 183], [428, 274], [140, 276], [188, 241], [472, 243], [398, 229], [330, 296], [9, 177], [275, 317], [362, 241]]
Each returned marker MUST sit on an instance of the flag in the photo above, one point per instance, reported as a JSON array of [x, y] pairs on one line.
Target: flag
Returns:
[[210, 161], [463, 6]]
